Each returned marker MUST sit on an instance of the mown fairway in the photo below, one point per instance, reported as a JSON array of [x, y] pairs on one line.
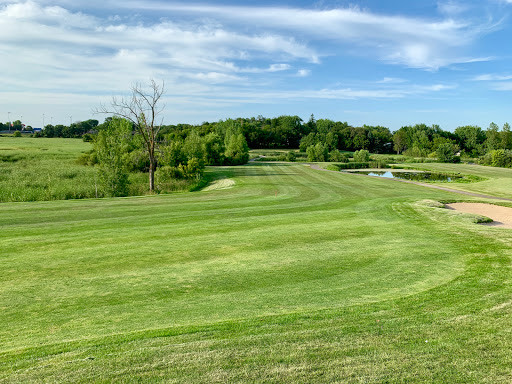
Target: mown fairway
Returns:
[[292, 275]]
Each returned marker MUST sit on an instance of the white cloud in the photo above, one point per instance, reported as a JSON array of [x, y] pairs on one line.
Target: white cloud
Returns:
[[55, 48], [414, 42], [452, 8], [492, 77], [303, 72], [387, 80], [279, 67], [207, 54]]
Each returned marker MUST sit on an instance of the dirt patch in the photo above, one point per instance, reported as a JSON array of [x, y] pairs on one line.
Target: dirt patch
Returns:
[[501, 216]]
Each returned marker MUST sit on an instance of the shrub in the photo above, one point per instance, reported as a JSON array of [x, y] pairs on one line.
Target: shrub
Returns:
[[291, 156], [498, 158], [353, 165], [361, 156], [378, 164], [87, 158], [336, 156], [17, 134], [317, 152]]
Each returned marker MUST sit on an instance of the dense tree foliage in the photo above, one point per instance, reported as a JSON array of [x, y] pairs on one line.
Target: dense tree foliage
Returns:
[[222, 141], [77, 129]]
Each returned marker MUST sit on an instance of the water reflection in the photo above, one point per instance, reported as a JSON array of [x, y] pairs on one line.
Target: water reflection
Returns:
[[407, 175]]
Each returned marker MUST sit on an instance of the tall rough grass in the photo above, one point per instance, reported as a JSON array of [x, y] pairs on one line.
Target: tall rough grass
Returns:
[[38, 169]]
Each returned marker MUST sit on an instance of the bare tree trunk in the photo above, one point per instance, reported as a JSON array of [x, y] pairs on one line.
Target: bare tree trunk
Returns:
[[151, 178], [152, 175]]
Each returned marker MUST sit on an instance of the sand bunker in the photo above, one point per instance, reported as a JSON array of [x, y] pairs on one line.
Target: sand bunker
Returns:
[[220, 184], [502, 216]]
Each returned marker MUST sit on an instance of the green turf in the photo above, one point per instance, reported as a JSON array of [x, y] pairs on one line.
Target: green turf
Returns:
[[292, 275], [498, 181]]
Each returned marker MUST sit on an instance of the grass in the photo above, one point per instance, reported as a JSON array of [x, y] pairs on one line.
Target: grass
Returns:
[[497, 181], [38, 169], [291, 275]]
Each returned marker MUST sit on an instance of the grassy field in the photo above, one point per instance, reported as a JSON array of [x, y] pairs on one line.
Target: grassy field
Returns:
[[289, 275], [39, 169], [44, 169]]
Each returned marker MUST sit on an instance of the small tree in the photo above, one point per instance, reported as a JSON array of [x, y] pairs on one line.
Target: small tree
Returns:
[[361, 156], [317, 152], [110, 147], [237, 151], [142, 109]]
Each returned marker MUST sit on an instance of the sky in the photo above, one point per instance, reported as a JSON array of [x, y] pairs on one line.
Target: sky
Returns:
[[390, 63]]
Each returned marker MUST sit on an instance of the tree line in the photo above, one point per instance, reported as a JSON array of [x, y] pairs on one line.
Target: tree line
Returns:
[[285, 131]]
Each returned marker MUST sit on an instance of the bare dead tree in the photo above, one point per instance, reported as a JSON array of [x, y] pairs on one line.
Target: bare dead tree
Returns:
[[143, 109]]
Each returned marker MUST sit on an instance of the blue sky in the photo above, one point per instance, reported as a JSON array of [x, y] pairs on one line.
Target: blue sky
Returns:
[[391, 63]]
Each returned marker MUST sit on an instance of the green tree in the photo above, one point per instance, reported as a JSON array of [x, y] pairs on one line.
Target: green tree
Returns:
[[446, 153], [400, 141], [142, 109], [317, 152], [111, 145], [237, 151], [214, 149], [493, 140], [470, 138], [506, 137], [361, 156]]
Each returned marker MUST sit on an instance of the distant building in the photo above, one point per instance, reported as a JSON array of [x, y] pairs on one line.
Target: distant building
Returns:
[[37, 130]]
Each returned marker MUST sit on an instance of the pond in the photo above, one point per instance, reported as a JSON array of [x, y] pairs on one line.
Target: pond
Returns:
[[411, 175]]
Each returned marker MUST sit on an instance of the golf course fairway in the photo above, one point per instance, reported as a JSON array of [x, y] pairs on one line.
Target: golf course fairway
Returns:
[[282, 274]]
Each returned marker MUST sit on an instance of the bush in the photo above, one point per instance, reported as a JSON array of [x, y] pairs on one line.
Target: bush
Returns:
[[291, 156], [378, 164], [333, 167], [353, 165], [17, 134], [361, 156], [317, 152], [87, 158], [497, 158], [338, 157]]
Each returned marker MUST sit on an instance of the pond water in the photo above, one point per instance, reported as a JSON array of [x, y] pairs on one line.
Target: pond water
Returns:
[[416, 176]]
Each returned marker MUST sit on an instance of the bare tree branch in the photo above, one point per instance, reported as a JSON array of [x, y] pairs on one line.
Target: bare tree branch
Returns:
[[142, 110]]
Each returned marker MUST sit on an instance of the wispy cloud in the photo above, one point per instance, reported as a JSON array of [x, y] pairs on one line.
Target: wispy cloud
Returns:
[[303, 73], [496, 82], [388, 80], [492, 77], [219, 54], [452, 8], [414, 42]]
